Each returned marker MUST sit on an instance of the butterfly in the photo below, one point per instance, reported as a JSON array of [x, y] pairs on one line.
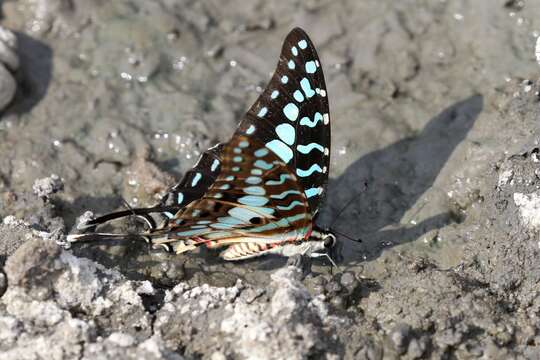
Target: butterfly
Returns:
[[260, 192]]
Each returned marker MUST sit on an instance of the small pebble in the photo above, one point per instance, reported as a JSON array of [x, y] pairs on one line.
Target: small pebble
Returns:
[[348, 279], [400, 337], [8, 86], [47, 186]]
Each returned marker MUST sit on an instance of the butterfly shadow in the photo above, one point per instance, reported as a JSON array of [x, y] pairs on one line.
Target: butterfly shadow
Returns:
[[386, 184]]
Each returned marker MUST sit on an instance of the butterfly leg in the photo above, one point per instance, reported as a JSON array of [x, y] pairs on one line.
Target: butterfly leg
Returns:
[[185, 245], [182, 247], [318, 255], [301, 262]]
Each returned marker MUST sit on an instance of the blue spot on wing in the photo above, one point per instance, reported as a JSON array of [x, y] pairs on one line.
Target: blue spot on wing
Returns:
[[255, 190], [306, 149], [261, 152], [263, 165], [230, 220], [308, 172], [292, 205], [311, 67], [298, 96], [305, 121], [282, 179], [262, 112], [280, 149], [246, 214], [222, 226], [253, 180], [291, 111], [312, 192], [286, 133], [193, 232], [284, 194], [252, 200], [196, 179], [306, 87]]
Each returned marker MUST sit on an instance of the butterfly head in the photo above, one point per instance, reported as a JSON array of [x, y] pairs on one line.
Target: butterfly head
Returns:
[[323, 240]]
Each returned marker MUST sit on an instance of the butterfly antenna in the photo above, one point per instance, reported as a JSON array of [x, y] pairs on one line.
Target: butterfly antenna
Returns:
[[346, 206], [346, 236], [341, 212]]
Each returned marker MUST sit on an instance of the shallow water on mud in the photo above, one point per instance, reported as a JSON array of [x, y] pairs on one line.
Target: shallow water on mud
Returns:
[[413, 98]]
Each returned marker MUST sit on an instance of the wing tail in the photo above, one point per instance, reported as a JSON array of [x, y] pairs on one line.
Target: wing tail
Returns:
[[143, 213], [93, 237]]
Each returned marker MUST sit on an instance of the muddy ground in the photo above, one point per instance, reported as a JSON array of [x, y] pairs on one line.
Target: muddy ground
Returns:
[[435, 109]]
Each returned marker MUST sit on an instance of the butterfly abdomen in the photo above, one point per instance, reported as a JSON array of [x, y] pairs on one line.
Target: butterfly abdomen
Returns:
[[245, 251]]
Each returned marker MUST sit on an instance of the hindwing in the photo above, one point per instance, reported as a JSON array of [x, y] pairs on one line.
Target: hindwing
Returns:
[[256, 198]]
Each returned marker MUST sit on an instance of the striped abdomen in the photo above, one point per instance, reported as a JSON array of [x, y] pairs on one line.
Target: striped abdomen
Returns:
[[246, 250]]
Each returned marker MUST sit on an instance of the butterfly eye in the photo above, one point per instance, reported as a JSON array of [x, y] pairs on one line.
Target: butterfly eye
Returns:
[[329, 241]]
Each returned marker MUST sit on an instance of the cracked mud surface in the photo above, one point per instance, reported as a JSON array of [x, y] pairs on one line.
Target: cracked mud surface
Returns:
[[435, 135]]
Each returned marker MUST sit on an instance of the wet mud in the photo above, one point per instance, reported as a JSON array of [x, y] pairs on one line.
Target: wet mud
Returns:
[[435, 135]]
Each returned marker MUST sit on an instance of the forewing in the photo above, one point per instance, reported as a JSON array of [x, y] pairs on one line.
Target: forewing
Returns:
[[291, 116]]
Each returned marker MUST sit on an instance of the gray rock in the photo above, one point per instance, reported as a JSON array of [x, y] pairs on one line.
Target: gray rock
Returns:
[[9, 61], [82, 220], [400, 337], [8, 86], [123, 346], [8, 48], [292, 325], [65, 302], [295, 325], [417, 348], [47, 186], [13, 233], [529, 208]]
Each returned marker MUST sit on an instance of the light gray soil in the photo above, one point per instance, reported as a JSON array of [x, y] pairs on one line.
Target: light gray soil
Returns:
[[435, 113]]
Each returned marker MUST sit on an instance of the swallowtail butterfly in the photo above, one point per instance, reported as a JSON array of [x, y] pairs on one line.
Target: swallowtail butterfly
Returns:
[[260, 192]]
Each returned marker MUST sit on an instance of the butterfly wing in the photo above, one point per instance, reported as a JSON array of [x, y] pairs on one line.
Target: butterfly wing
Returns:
[[256, 199], [291, 116], [196, 181]]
